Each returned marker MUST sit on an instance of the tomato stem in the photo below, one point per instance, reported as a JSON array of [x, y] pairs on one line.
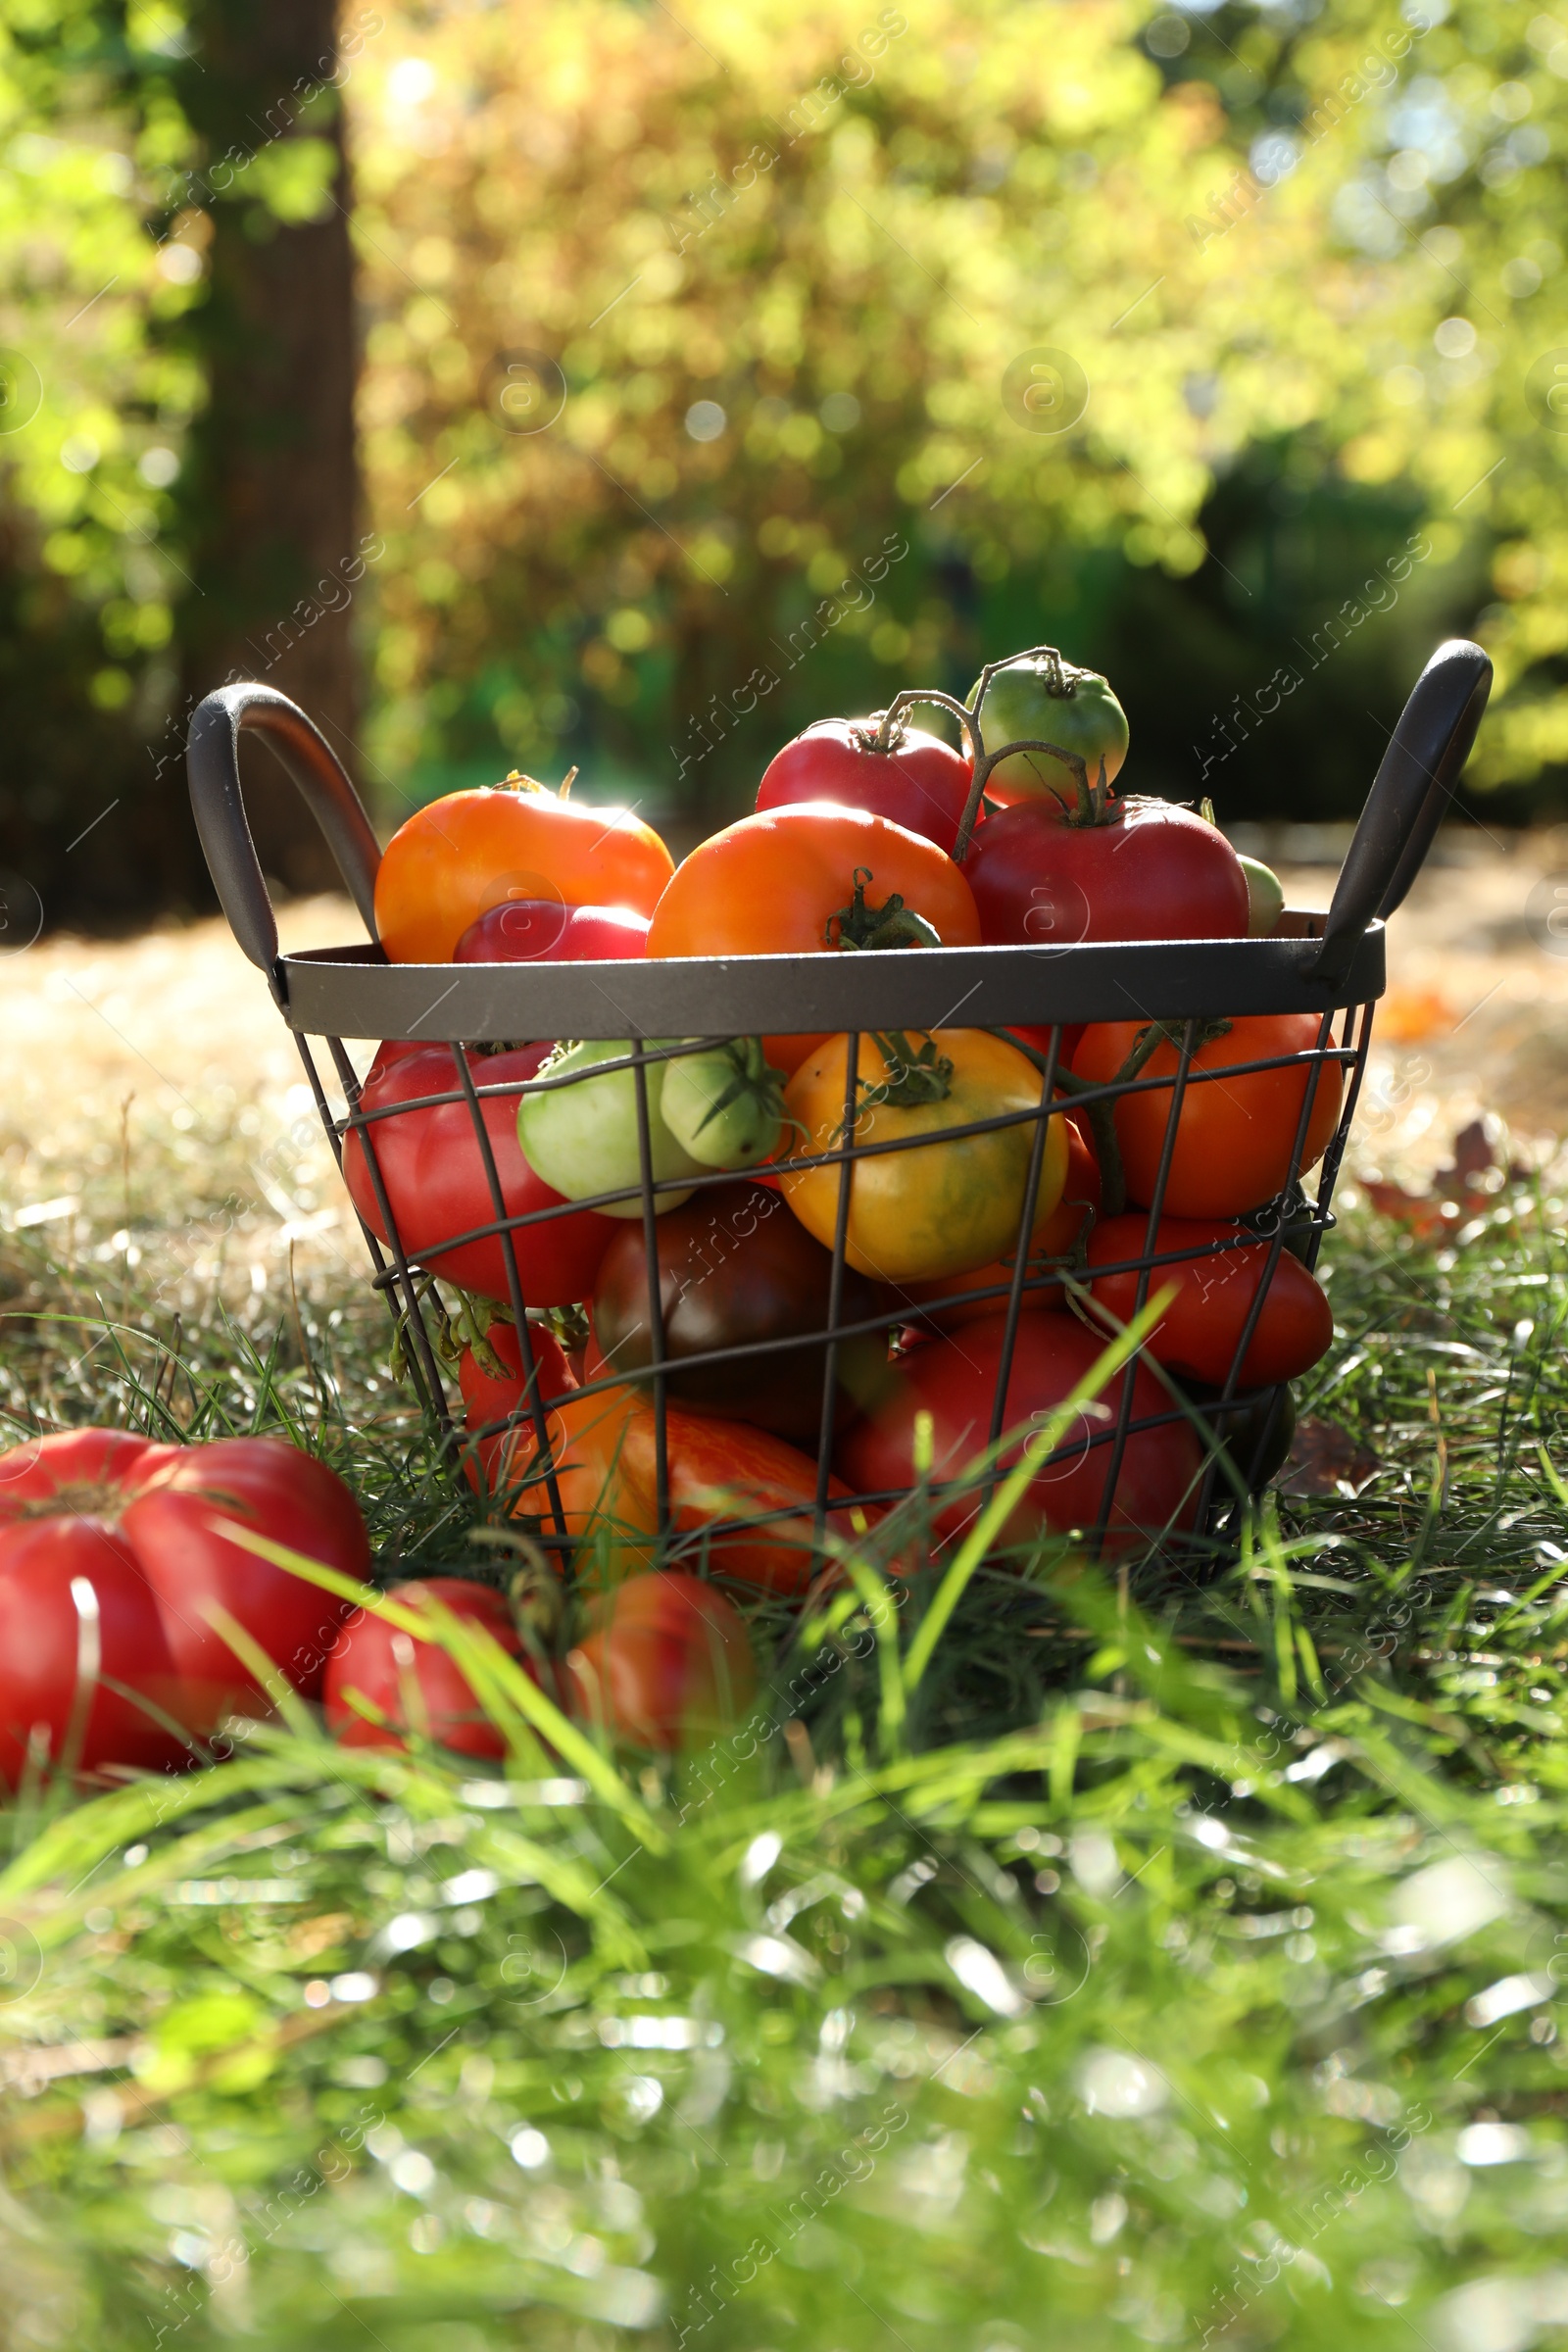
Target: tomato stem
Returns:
[[914, 1076], [890, 925]]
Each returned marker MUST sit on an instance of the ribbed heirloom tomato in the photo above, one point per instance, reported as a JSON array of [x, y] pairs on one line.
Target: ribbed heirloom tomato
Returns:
[[1054, 1242], [806, 880], [112, 1571], [1237, 1128], [454, 860]]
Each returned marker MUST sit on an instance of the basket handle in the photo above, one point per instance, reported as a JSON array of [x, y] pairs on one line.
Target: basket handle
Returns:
[[212, 761], [1411, 794]]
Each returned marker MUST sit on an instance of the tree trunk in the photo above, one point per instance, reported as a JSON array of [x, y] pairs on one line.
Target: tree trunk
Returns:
[[272, 480]]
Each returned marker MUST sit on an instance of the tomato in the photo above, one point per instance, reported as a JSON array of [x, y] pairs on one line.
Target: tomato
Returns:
[[919, 781], [490, 1398], [1150, 871], [735, 1270], [587, 1440], [666, 1666], [438, 1187], [76, 1616], [584, 1138], [546, 931], [1058, 1239], [134, 1520], [806, 880], [1236, 1134], [723, 1104], [722, 1473], [1039, 698], [1216, 1284], [939, 1208], [451, 862], [1265, 898], [954, 1380], [415, 1685]]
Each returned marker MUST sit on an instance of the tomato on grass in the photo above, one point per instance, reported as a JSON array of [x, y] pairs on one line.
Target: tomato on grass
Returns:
[[953, 1379], [666, 1665], [1237, 1128], [134, 1525], [1219, 1271], [413, 1686]]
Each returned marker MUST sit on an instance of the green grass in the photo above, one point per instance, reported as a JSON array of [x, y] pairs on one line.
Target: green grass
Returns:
[[1130, 1977]]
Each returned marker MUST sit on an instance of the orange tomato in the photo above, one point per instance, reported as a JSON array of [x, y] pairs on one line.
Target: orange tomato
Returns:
[[778, 884], [454, 860], [724, 1471], [1234, 1136], [588, 1442]]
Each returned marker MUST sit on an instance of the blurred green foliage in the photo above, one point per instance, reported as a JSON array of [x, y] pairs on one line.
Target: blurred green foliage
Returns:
[[686, 410]]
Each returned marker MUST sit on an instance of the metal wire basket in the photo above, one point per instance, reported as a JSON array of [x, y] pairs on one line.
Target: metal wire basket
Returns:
[[1329, 967]]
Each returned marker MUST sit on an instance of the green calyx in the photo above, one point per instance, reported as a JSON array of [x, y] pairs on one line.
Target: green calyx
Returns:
[[890, 925], [915, 1075]]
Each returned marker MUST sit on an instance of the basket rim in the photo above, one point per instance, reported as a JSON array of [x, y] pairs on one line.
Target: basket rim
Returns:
[[354, 992]]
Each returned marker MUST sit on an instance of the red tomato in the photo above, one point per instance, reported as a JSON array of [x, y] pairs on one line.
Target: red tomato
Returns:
[[77, 1613], [920, 782], [784, 883], [1153, 871], [1072, 1217], [451, 862], [438, 1188], [1200, 1329], [90, 1500], [408, 1679], [489, 1396], [955, 1381], [667, 1665], [1236, 1134], [530, 930], [722, 1473]]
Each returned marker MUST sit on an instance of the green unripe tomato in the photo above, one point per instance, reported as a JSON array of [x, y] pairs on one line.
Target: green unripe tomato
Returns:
[[1018, 707], [1265, 897], [723, 1106], [582, 1139]]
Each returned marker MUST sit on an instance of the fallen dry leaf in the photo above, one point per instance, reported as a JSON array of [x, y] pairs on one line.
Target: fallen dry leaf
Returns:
[[1325, 1459]]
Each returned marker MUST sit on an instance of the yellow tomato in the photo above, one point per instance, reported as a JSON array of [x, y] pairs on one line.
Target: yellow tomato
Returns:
[[938, 1206]]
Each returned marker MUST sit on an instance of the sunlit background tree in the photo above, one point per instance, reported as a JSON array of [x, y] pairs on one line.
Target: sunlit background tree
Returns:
[[723, 371]]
